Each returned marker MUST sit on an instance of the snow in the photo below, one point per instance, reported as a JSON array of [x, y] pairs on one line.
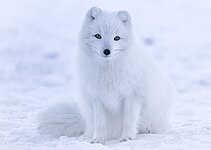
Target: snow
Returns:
[[37, 49]]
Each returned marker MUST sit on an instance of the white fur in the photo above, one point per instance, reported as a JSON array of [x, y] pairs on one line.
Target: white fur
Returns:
[[125, 93]]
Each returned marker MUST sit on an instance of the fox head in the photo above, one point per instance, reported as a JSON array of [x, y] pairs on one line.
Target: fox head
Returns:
[[106, 35]]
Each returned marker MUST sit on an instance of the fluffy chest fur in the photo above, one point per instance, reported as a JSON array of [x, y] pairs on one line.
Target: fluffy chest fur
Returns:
[[111, 84]]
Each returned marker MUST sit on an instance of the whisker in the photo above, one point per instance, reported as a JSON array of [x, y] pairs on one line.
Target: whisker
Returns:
[[90, 46], [120, 49], [92, 50]]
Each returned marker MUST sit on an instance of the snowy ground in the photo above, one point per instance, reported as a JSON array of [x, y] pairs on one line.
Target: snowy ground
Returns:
[[37, 46]]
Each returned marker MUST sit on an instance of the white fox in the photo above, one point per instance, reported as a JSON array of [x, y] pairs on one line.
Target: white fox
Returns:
[[123, 91]]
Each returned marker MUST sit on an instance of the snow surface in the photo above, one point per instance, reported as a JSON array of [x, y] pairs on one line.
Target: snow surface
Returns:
[[37, 48]]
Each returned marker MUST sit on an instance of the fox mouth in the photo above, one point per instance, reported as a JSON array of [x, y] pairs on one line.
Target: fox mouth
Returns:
[[106, 59], [106, 56]]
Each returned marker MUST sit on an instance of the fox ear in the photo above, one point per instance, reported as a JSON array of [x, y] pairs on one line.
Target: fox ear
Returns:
[[124, 16], [93, 13]]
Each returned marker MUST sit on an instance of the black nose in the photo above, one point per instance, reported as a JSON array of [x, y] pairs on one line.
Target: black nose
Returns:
[[107, 52]]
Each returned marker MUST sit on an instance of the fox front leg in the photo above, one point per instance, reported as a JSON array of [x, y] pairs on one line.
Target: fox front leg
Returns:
[[131, 113], [99, 123]]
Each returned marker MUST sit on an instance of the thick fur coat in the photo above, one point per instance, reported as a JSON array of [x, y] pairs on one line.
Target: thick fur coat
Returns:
[[123, 92]]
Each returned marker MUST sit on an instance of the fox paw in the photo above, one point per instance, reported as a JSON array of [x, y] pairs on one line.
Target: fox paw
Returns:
[[124, 139], [97, 141]]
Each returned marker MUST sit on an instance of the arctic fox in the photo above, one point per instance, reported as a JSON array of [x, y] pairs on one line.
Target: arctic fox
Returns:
[[123, 92]]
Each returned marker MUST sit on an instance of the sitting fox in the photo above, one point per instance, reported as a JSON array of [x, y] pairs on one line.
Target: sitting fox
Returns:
[[123, 91]]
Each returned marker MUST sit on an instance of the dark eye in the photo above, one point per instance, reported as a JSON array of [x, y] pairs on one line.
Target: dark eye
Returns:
[[116, 38], [98, 36]]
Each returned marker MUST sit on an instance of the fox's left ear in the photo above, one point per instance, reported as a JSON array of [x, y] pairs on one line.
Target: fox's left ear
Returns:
[[93, 13], [124, 16]]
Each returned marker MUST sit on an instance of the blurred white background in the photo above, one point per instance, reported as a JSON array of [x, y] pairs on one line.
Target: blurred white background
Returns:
[[38, 42]]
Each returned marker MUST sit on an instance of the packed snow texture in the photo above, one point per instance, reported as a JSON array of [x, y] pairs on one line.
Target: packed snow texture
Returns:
[[38, 42]]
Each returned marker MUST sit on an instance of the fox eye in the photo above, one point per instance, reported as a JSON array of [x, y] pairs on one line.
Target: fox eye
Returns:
[[98, 36], [116, 38]]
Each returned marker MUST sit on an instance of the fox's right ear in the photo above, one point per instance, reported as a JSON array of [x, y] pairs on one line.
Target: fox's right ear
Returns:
[[93, 13], [124, 17]]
